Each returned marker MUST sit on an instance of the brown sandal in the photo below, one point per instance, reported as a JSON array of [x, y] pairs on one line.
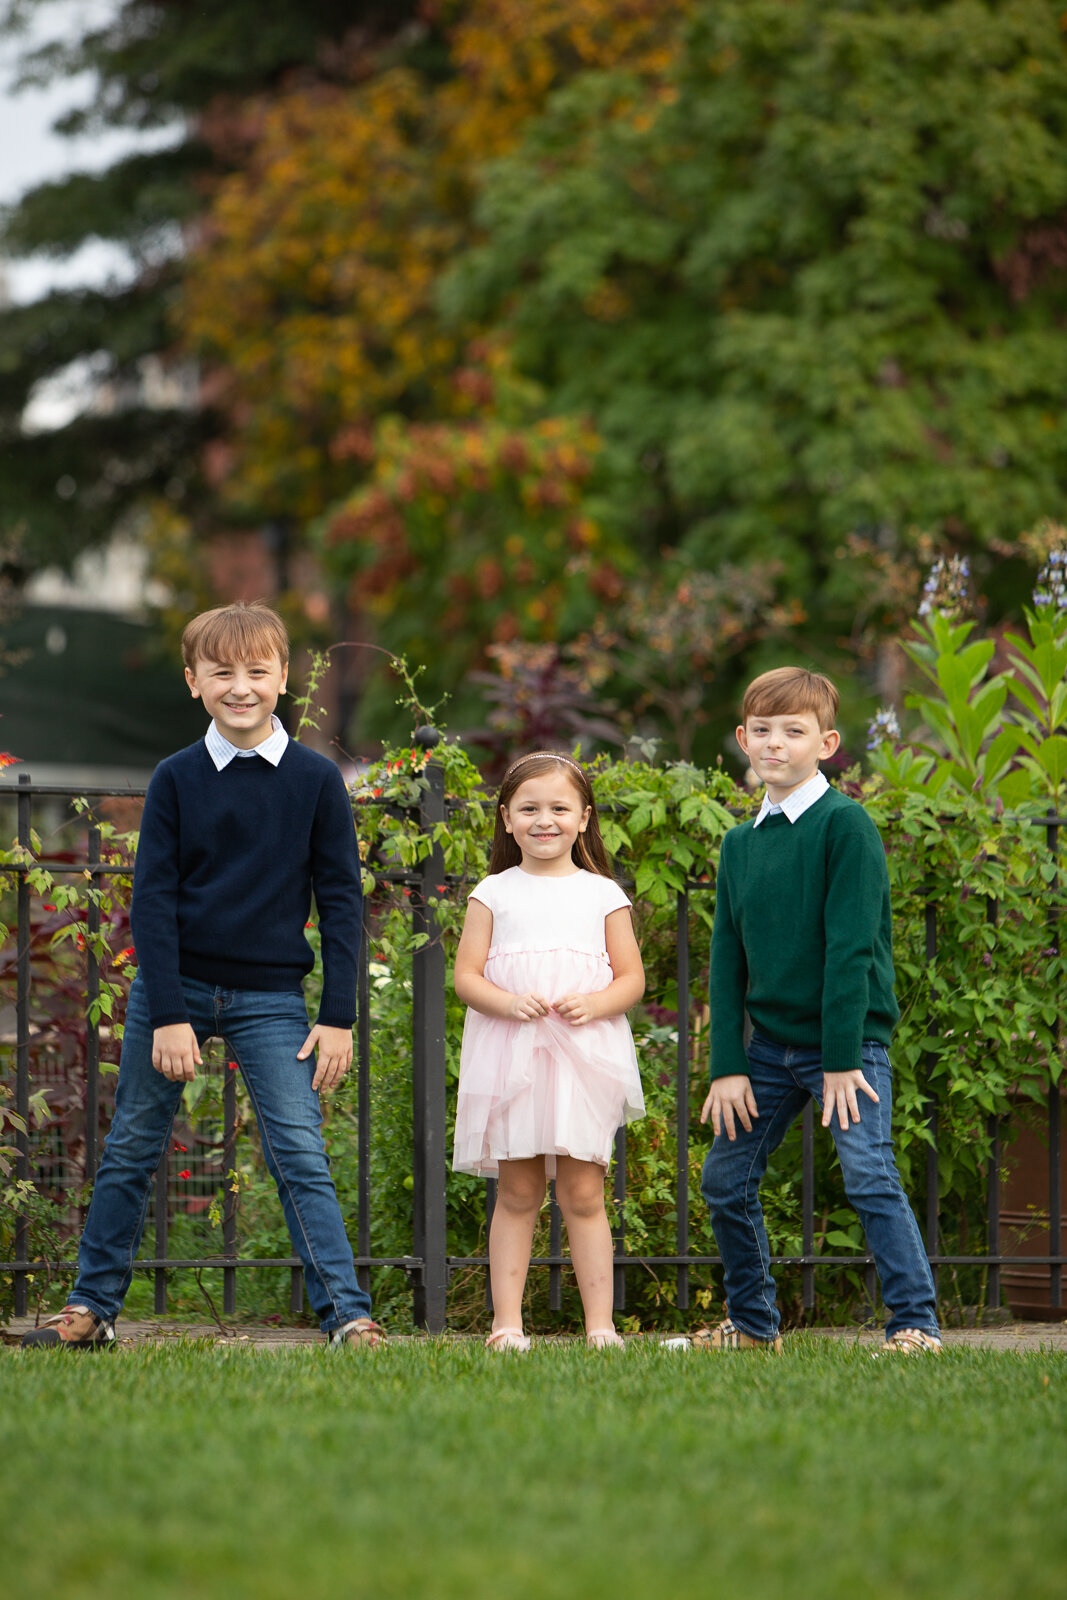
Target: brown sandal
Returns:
[[727, 1336], [363, 1332]]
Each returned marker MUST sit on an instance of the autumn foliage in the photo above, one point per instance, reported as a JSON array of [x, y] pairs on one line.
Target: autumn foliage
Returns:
[[552, 294], [352, 400]]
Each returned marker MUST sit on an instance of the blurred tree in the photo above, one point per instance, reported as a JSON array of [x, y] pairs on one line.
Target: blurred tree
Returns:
[[312, 294], [471, 534], [672, 646], [447, 486], [182, 65], [810, 283]]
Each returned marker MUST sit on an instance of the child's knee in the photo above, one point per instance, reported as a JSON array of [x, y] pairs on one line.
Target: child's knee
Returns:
[[581, 1193], [520, 1193]]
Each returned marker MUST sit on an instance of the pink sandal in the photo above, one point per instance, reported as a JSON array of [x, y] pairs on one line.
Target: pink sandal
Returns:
[[604, 1339], [508, 1339]]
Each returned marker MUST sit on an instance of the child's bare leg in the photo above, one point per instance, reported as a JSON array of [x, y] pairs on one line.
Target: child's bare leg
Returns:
[[520, 1190], [580, 1192]]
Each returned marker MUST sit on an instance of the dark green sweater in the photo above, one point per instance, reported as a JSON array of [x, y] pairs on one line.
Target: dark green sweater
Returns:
[[803, 936]]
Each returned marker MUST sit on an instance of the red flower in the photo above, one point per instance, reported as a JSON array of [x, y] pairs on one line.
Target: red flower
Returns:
[[231, 1066], [442, 888], [185, 1174], [125, 955], [309, 924], [50, 908], [376, 793], [7, 760]]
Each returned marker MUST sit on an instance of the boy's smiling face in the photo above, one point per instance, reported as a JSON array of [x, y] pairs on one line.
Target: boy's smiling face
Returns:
[[240, 696], [785, 751]]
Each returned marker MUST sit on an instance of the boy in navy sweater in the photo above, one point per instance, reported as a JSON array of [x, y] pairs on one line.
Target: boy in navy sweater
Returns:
[[239, 831], [803, 941]]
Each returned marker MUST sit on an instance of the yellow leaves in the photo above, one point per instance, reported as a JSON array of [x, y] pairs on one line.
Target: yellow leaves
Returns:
[[312, 280]]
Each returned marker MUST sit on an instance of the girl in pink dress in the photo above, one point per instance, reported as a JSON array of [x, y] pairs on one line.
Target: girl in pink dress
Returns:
[[548, 966]]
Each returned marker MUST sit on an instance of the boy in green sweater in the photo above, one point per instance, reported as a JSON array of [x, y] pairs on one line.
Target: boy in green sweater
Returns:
[[803, 941]]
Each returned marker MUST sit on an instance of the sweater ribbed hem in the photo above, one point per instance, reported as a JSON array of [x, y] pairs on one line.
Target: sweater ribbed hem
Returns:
[[225, 973]]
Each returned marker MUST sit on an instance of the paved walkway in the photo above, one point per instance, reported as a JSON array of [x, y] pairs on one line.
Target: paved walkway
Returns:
[[1006, 1336]]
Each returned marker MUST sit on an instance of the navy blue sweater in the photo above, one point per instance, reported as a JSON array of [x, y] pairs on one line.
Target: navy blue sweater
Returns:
[[227, 863]]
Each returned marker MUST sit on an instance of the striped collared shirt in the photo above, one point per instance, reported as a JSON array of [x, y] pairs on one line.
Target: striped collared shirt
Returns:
[[222, 751]]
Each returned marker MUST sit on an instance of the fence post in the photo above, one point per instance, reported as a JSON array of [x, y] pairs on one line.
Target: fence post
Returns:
[[681, 1097], [92, 995], [1055, 1197], [932, 1186], [22, 1046], [429, 1231]]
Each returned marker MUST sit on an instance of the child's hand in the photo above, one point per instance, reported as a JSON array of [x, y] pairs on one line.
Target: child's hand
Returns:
[[729, 1098], [839, 1093], [577, 1008], [175, 1052], [527, 1007], [335, 1054]]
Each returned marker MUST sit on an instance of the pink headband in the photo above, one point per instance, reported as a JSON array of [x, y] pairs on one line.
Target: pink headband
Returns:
[[545, 755]]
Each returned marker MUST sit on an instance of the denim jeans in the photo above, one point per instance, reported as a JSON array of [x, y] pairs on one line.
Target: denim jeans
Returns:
[[782, 1078], [263, 1032]]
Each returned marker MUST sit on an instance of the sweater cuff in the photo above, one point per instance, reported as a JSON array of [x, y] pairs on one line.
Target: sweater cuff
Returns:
[[329, 1017], [168, 1016], [728, 1062], [841, 1054], [166, 1001]]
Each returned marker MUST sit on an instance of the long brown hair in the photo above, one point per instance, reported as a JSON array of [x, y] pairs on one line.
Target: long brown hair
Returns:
[[588, 850]]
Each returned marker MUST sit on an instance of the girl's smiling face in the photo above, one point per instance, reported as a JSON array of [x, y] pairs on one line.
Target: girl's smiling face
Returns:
[[545, 815]]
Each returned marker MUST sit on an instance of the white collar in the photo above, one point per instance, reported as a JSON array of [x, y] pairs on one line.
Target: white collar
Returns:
[[794, 805], [222, 751]]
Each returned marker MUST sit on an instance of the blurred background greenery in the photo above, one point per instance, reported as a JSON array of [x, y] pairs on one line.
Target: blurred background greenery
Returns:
[[595, 354]]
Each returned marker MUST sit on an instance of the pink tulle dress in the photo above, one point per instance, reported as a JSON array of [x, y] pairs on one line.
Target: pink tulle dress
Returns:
[[545, 1087]]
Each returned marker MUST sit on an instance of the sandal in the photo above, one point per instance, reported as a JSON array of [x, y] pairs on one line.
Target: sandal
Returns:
[[604, 1339], [362, 1332], [727, 1336], [73, 1328], [911, 1342], [508, 1339]]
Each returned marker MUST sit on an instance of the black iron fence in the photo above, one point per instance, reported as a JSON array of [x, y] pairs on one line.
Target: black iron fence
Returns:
[[428, 1265]]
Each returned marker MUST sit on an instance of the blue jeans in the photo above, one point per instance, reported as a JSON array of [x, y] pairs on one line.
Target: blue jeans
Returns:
[[782, 1078], [263, 1032]]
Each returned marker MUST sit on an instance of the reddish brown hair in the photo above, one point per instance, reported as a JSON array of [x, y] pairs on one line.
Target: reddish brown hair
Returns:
[[241, 632], [588, 850], [791, 689]]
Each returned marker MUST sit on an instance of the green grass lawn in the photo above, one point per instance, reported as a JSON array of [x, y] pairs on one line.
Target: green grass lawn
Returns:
[[431, 1469]]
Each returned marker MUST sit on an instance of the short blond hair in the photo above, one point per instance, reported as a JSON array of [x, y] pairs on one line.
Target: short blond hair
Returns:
[[791, 689], [244, 631]]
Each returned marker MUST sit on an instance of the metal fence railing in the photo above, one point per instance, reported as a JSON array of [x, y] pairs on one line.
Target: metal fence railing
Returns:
[[428, 1264]]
